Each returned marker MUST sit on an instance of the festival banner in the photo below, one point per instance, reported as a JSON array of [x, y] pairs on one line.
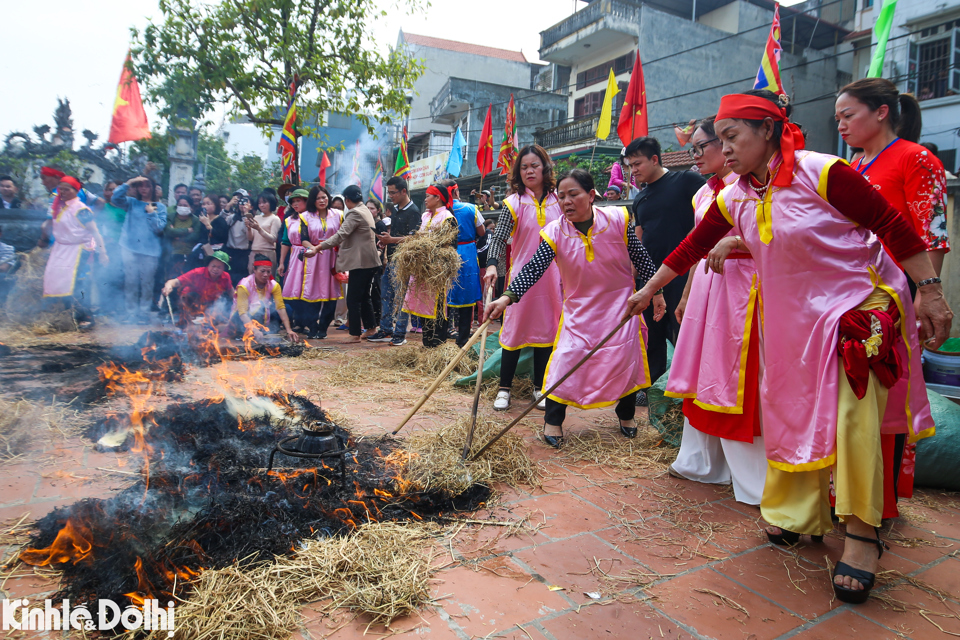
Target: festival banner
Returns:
[[426, 171], [129, 119], [768, 76], [633, 113], [288, 137], [402, 166], [508, 148]]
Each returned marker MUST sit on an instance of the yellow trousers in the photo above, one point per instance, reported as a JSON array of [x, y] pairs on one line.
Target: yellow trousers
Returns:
[[799, 501]]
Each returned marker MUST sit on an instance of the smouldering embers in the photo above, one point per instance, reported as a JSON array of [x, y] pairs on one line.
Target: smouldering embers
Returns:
[[209, 501]]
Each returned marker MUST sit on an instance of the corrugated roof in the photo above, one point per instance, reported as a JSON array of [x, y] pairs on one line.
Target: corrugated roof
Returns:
[[463, 47]]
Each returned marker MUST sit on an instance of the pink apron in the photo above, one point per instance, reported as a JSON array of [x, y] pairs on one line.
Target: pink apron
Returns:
[[710, 361], [74, 243], [534, 320], [254, 301], [805, 287], [312, 280], [597, 279], [421, 301]]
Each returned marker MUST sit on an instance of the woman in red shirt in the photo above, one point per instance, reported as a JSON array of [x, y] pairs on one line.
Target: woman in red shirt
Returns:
[[874, 117]]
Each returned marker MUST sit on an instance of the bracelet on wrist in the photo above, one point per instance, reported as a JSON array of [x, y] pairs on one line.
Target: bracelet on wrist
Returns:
[[929, 281], [658, 292]]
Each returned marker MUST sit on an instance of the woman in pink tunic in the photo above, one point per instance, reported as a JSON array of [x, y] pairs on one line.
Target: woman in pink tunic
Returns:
[[421, 301], [595, 250], [837, 324], [310, 287], [65, 276], [715, 367], [534, 322]]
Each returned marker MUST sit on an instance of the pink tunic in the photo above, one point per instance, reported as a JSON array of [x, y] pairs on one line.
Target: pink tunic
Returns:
[[710, 361], [532, 322], [805, 287], [312, 280], [421, 301], [254, 300], [597, 279], [74, 243]]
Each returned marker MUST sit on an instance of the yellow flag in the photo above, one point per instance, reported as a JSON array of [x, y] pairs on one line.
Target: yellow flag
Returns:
[[606, 113]]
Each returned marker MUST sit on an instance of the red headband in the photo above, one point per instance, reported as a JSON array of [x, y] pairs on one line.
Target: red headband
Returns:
[[73, 182], [50, 171], [435, 191], [744, 107], [262, 263]]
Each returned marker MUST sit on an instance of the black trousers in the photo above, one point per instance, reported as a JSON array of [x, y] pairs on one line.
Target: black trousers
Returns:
[[508, 365], [375, 297], [556, 411], [304, 314], [464, 319], [359, 302], [667, 329], [434, 331]]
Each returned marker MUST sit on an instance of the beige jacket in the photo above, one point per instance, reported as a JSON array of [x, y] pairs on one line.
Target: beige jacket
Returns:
[[356, 239]]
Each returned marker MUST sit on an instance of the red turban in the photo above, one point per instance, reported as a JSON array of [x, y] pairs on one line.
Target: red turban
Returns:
[[744, 107], [441, 192], [73, 182], [50, 171]]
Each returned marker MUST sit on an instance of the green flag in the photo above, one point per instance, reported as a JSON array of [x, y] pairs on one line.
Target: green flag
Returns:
[[882, 30]]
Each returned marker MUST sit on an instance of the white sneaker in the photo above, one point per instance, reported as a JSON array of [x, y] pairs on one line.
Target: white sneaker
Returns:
[[541, 400], [502, 401]]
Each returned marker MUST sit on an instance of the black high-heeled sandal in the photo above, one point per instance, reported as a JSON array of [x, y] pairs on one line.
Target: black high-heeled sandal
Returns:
[[788, 538], [554, 441], [865, 578]]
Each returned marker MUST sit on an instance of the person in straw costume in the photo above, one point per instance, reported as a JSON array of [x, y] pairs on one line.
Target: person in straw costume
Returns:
[[595, 250], [838, 324], [716, 364]]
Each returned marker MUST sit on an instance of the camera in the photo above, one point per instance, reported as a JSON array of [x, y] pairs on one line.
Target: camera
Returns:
[[243, 200]]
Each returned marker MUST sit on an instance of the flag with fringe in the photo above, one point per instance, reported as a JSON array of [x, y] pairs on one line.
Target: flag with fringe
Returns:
[[376, 185], [288, 137], [402, 166], [508, 148], [768, 77]]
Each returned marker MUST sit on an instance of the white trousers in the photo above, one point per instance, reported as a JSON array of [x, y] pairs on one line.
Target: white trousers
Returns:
[[714, 460]]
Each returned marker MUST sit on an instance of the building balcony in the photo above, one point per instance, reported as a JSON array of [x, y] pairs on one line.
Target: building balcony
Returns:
[[598, 24], [449, 105], [583, 130]]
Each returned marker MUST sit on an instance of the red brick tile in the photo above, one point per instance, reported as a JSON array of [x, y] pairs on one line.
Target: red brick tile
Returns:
[[730, 529], [846, 624], [917, 544], [945, 576], [428, 624], [483, 541], [633, 620], [706, 613], [565, 515], [686, 489], [572, 564], [622, 499], [662, 546], [832, 548], [19, 488], [900, 611], [798, 586], [482, 603]]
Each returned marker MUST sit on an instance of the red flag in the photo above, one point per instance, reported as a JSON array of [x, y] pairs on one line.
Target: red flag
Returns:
[[485, 151], [129, 118], [633, 114], [322, 175]]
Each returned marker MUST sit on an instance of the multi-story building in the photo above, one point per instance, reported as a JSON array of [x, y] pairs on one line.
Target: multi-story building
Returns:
[[693, 52]]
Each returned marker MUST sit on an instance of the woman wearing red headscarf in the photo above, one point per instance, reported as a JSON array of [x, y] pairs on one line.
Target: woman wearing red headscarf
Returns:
[[65, 276], [872, 115], [422, 301], [837, 324]]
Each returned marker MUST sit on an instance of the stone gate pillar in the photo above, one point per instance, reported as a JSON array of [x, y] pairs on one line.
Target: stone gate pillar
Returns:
[[182, 155]]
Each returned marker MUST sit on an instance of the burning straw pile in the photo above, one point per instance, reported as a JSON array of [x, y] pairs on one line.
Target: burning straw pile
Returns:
[[429, 258], [430, 460]]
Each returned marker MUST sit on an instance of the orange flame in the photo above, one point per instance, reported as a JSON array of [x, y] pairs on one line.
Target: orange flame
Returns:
[[74, 542]]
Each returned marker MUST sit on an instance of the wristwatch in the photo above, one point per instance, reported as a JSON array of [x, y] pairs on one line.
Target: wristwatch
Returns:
[[924, 283]]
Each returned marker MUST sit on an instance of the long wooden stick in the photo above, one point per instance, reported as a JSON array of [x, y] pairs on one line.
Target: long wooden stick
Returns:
[[487, 299], [443, 374], [550, 390]]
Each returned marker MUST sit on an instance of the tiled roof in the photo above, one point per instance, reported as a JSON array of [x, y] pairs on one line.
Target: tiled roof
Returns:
[[463, 47], [674, 159]]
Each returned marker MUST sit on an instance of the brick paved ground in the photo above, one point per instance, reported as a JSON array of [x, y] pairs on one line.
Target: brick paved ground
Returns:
[[669, 559]]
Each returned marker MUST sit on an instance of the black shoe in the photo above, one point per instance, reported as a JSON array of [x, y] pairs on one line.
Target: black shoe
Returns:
[[554, 441], [788, 538], [629, 432], [641, 399], [380, 336], [398, 341], [865, 578]]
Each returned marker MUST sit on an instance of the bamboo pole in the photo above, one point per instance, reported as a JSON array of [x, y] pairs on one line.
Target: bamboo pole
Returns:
[[443, 375], [487, 299], [550, 390]]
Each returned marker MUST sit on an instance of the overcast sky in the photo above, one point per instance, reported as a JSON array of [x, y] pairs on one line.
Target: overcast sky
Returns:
[[75, 50]]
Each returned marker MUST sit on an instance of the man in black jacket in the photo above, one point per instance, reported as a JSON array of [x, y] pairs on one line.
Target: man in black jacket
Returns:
[[8, 193], [663, 212]]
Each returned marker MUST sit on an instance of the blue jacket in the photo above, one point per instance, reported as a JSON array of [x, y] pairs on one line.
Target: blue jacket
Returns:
[[141, 231]]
